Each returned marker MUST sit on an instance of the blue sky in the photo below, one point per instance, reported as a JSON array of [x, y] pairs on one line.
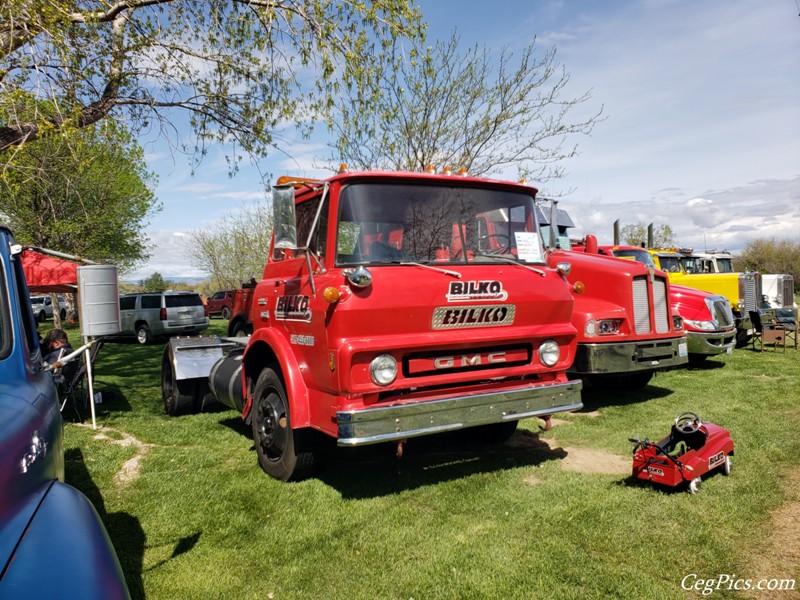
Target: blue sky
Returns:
[[702, 101]]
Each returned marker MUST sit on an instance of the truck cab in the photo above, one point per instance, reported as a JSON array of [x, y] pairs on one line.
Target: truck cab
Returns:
[[52, 542], [626, 328], [398, 305]]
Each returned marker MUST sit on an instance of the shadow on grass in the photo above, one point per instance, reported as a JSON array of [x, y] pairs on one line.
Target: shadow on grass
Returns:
[[125, 531], [373, 471], [594, 398]]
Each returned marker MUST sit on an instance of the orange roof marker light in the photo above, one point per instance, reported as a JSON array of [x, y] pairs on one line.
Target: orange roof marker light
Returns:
[[447, 171], [463, 172], [342, 168], [298, 182], [430, 169]]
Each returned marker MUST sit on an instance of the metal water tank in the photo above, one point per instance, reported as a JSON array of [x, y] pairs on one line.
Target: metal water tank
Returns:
[[98, 298]]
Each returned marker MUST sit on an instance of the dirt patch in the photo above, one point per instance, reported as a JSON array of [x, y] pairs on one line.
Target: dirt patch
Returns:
[[586, 460], [780, 559], [131, 469]]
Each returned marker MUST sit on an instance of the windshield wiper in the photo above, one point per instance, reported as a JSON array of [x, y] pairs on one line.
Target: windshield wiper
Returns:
[[455, 274], [511, 261]]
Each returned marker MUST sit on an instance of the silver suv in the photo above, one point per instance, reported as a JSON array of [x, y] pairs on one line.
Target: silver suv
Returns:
[[43, 308], [148, 316]]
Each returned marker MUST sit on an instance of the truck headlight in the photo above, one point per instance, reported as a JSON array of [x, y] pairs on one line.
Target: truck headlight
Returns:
[[701, 325], [602, 327], [549, 353], [677, 323], [383, 369]]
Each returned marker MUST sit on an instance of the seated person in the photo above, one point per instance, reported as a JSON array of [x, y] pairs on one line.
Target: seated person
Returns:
[[56, 345]]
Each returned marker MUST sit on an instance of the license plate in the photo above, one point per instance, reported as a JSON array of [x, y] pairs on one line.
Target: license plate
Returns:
[[682, 349]]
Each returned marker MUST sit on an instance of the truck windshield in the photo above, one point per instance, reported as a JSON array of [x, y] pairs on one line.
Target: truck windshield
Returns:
[[670, 264], [725, 265], [386, 223], [642, 256]]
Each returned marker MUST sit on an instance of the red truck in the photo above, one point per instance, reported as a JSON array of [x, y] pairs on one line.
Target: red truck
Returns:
[[385, 313], [707, 318], [221, 303], [626, 328]]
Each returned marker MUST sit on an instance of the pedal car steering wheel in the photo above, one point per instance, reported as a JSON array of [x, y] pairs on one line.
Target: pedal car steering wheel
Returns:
[[687, 422]]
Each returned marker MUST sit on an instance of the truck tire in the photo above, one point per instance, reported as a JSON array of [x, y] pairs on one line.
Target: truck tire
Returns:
[[143, 335], [225, 313], [240, 329], [284, 453], [178, 396], [42, 317]]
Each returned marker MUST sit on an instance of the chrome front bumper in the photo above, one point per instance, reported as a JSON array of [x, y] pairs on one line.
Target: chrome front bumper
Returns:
[[413, 419], [627, 357], [717, 342]]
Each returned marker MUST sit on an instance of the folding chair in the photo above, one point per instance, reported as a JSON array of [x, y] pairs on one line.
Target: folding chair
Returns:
[[768, 334], [73, 387]]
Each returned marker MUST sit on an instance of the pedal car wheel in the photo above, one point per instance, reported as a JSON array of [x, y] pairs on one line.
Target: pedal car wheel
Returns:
[[726, 466], [694, 485]]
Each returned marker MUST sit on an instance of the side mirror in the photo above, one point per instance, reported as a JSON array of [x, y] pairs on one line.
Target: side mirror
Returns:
[[283, 217]]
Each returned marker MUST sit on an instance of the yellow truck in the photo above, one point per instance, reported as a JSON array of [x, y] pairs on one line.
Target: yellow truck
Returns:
[[743, 290]]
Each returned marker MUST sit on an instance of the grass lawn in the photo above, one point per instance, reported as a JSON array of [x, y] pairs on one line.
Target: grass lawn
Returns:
[[546, 515]]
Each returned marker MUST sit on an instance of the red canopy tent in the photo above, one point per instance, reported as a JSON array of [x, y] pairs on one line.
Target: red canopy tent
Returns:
[[47, 274]]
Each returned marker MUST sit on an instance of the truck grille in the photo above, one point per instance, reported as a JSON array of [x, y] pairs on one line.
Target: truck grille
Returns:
[[721, 312], [787, 291], [750, 291], [472, 359], [661, 305], [641, 305]]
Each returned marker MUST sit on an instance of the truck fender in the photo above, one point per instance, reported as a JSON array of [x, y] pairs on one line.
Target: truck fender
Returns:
[[64, 550], [267, 346]]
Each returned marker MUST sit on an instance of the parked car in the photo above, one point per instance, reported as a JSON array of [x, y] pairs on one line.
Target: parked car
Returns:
[[221, 304], [52, 541], [150, 316], [43, 307]]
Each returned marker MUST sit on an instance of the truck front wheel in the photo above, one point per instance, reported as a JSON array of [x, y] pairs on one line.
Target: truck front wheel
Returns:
[[284, 453]]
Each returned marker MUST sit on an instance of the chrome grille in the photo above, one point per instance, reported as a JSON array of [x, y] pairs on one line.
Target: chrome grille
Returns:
[[749, 296], [661, 305], [787, 293], [720, 309], [641, 305]]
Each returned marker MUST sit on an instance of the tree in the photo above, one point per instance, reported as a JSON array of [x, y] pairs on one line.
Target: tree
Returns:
[[241, 69], [772, 256], [235, 249], [153, 284], [86, 192], [444, 108], [636, 235]]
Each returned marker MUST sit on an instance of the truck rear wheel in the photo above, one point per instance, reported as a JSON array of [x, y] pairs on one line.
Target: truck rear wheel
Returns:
[[143, 335], [178, 395], [284, 453], [225, 313]]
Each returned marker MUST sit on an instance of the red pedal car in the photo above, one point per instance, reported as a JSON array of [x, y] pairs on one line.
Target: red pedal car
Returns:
[[687, 454]]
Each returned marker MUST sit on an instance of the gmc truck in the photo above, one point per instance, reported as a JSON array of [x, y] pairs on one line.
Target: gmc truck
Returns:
[[626, 328], [52, 541], [391, 306]]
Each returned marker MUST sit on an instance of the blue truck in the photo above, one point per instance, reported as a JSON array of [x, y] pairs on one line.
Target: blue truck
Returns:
[[52, 541]]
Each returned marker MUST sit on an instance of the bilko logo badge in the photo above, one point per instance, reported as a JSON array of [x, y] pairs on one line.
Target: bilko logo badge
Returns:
[[460, 291]]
